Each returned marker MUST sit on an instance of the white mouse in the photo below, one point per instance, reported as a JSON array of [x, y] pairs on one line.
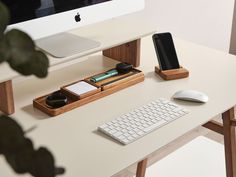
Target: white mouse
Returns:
[[191, 95]]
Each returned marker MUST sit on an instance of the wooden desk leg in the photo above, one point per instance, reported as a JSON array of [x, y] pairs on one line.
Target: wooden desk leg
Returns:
[[229, 142], [6, 98], [128, 52], [141, 168], [232, 49], [214, 126]]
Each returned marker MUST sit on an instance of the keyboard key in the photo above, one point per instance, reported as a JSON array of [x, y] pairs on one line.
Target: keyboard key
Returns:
[[125, 141], [117, 134], [158, 124]]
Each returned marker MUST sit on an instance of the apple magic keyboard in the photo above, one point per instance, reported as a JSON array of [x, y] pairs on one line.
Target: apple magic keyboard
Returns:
[[143, 120]]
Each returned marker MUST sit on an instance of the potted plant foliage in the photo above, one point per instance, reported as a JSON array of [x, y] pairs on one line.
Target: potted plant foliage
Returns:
[[18, 50]]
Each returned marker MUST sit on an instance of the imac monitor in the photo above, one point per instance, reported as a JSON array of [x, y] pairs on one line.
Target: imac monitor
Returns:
[[47, 20]]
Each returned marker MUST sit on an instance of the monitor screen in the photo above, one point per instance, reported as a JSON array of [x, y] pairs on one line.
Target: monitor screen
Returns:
[[23, 10]]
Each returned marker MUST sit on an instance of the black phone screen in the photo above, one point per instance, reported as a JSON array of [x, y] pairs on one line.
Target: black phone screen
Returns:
[[165, 51]]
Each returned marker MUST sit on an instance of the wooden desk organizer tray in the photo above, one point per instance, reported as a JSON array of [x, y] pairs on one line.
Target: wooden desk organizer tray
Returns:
[[172, 73], [102, 89]]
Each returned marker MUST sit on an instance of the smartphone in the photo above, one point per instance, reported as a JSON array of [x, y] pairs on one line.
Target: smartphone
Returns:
[[165, 51]]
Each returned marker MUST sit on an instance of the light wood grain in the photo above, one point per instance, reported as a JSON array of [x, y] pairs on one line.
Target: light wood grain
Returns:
[[232, 48], [172, 73], [6, 98], [214, 126], [73, 101], [141, 168], [229, 141], [129, 52]]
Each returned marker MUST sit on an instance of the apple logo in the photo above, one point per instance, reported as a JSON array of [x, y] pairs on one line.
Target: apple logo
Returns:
[[77, 17]]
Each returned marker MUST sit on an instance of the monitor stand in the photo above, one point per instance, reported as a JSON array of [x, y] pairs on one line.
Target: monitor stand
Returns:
[[65, 44]]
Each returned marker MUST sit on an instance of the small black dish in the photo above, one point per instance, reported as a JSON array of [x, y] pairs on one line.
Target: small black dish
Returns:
[[56, 100], [124, 68]]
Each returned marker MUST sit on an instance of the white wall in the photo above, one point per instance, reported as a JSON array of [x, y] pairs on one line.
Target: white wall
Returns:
[[206, 22]]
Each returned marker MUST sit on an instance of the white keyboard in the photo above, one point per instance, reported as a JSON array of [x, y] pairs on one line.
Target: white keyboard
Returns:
[[141, 121]]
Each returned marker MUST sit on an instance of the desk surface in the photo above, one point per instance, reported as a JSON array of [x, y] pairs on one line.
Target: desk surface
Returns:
[[73, 138]]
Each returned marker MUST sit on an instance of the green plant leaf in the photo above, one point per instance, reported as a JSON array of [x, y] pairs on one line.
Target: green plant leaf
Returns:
[[23, 57], [20, 40], [11, 134], [21, 159], [39, 64], [20, 154], [21, 46], [23, 68], [4, 18], [43, 164], [4, 50]]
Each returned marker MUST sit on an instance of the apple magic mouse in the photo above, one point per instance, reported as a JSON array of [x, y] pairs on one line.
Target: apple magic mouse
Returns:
[[191, 95]]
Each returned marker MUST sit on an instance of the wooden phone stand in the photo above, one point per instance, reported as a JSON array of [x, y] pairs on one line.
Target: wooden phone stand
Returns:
[[172, 73]]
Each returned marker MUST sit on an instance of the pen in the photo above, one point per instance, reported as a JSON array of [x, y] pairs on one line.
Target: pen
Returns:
[[105, 75]]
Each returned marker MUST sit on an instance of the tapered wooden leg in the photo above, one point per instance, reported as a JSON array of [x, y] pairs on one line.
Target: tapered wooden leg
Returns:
[[128, 52], [6, 98], [229, 142], [141, 168], [232, 49]]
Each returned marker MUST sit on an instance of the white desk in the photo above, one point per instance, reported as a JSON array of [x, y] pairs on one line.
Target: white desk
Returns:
[[72, 136]]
